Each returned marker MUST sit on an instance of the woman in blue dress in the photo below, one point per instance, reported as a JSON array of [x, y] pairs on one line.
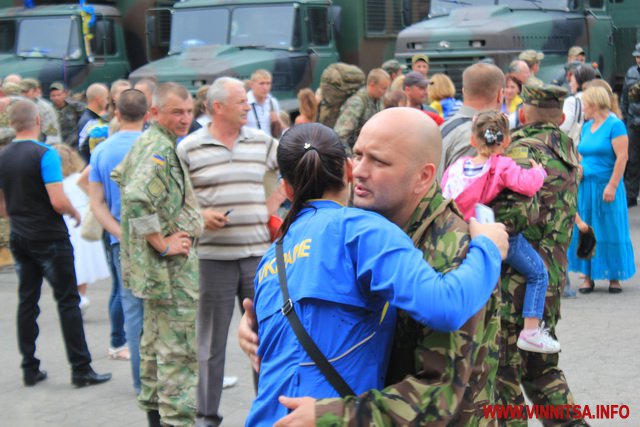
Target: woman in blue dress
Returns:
[[602, 200]]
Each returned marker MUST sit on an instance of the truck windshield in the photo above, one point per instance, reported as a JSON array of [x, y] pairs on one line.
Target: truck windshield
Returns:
[[7, 36], [34, 42], [240, 26], [443, 7]]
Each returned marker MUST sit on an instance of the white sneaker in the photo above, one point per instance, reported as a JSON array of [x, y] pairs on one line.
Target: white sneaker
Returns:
[[228, 382], [539, 342], [84, 304]]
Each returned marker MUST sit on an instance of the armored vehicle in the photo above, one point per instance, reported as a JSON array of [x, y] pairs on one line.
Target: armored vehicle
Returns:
[[294, 40], [460, 33], [76, 43]]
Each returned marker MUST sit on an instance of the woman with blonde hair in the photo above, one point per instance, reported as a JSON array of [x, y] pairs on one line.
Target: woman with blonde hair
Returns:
[[89, 258], [441, 95], [308, 106], [615, 102], [602, 200]]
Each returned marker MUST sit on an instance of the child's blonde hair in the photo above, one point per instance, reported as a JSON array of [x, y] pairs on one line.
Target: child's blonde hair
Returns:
[[490, 129], [71, 160]]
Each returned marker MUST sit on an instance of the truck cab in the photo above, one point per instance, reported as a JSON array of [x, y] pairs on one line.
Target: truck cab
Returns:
[[294, 40], [73, 43], [460, 33]]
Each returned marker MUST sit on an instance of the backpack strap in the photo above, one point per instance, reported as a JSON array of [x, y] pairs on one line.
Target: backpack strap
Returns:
[[327, 369], [447, 128]]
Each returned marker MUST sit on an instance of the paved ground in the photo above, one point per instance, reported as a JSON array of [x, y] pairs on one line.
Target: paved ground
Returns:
[[600, 335]]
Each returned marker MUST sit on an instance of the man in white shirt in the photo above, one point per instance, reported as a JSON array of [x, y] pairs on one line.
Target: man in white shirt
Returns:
[[264, 107]]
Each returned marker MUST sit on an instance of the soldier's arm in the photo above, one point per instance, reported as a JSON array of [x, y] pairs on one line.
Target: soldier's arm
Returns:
[[350, 115], [3, 205]]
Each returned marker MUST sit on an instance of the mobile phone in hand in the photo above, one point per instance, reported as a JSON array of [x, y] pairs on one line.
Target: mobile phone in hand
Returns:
[[484, 214], [228, 212]]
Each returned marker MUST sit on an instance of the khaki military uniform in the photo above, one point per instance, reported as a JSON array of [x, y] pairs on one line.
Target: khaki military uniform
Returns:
[[48, 122], [547, 223], [355, 112], [157, 196], [6, 136], [439, 378]]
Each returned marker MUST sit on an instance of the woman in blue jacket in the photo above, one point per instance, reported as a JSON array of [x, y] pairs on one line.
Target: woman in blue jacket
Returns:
[[347, 270]]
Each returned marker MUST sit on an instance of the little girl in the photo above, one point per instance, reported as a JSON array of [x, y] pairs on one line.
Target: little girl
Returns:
[[480, 179]]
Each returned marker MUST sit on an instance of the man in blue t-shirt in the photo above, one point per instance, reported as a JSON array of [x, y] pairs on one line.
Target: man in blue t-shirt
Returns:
[[104, 194], [31, 194]]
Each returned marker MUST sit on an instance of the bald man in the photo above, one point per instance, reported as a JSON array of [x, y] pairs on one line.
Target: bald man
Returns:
[[395, 161], [482, 89], [97, 100], [520, 70]]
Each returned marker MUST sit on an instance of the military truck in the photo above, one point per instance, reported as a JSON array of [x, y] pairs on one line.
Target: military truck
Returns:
[[74, 43], [294, 40], [460, 33]]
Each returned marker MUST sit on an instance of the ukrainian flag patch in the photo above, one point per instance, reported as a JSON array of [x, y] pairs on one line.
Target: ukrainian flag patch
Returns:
[[158, 160]]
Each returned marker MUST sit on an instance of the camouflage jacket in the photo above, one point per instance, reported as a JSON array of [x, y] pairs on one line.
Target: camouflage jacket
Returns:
[[546, 220], [437, 376], [68, 117], [6, 132], [48, 122], [631, 97], [157, 197], [354, 114]]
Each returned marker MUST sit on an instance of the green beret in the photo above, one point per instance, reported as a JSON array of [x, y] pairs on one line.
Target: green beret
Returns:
[[545, 96]]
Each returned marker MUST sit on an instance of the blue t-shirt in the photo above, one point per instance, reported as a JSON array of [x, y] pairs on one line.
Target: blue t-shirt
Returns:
[[598, 157], [343, 266], [104, 159]]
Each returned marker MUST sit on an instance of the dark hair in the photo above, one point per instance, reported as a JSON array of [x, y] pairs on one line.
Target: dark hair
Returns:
[[583, 74], [132, 105], [311, 158], [512, 77]]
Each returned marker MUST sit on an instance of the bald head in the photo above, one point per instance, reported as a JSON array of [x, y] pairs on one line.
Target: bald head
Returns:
[[520, 70], [411, 131], [12, 78], [97, 97], [482, 86], [396, 156]]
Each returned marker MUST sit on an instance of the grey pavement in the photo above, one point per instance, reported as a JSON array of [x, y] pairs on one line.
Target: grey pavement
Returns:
[[599, 333]]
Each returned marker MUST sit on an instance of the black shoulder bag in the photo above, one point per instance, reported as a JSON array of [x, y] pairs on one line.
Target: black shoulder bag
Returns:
[[330, 373]]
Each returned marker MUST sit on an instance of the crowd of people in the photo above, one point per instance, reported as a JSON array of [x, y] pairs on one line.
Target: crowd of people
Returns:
[[378, 299]]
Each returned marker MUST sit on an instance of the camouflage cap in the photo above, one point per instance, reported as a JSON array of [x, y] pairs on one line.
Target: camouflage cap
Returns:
[[419, 57], [545, 96], [11, 88], [56, 86], [392, 66], [636, 52], [575, 51], [530, 56], [28, 84], [415, 78]]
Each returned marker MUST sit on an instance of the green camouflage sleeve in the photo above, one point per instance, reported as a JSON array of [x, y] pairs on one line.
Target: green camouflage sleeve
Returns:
[[145, 192], [516, 211], [350, 116], [50, 127]]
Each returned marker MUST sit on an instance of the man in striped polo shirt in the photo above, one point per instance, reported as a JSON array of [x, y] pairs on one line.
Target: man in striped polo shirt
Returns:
[[227, 162]]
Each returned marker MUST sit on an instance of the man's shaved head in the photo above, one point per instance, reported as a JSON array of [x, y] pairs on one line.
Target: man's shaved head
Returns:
[[396, 156], [97, 90], [483, 84]]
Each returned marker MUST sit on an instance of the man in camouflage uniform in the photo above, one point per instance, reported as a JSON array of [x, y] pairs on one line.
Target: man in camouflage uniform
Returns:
[[49, 119], [6, 136], [69, 112], [631, 112], [441, 378], [547, 222], [160, 219], [361, 106]]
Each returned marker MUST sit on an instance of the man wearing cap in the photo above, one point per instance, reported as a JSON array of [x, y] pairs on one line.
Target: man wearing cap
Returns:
[[546, 220], [631, 111], [69, 112], [420, 63], [532, 58], [415, 88], [360, 106], [393, 68], [50, 129]]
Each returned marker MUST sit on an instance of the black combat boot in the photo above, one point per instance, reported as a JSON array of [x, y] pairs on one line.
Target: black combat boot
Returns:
[[154, 418]]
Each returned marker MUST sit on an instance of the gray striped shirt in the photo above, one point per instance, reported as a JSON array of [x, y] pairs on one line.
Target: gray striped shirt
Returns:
[[226, 179]]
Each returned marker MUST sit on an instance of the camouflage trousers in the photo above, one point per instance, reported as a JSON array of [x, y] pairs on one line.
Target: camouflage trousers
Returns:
[[4, 232], [168, 363], [537, 373]]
